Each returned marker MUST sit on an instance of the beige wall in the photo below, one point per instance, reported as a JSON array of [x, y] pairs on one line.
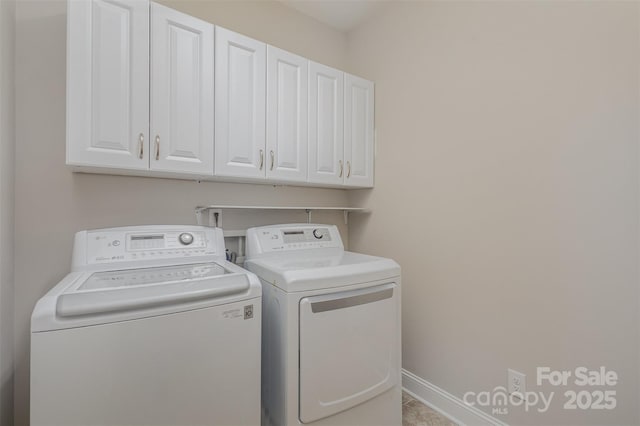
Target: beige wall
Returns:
[[52, 203], [7, 147], [507, 188], [507, 131]]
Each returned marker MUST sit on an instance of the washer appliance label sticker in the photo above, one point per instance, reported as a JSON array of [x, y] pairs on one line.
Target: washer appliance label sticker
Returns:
[[233, 313]]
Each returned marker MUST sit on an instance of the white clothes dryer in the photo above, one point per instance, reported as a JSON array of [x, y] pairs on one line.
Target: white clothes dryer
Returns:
[[331, 329], [152, 327]]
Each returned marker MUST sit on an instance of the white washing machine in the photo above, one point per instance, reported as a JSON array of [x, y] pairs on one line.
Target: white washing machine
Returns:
[[151, 327], [331, 329]]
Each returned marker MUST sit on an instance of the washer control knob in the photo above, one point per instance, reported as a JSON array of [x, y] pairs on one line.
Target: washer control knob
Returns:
[[185, 238], [318, 234]]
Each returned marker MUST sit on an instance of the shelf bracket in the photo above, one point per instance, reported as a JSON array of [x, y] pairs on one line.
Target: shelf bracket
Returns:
[[215, 218]]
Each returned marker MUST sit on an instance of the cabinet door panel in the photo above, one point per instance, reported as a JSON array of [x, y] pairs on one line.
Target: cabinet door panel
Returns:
[[181, 92], [287, 105], [240, 105], [358, 131], [108, 83], [326, 103]]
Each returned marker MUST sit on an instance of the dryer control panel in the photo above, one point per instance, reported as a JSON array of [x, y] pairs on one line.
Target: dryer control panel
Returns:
[[278, 238]]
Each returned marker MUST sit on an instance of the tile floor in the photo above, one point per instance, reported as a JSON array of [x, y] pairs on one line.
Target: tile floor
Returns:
[[415, 413]]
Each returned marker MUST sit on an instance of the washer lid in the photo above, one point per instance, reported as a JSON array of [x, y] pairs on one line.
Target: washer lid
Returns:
[[147, 276], [322, 268], [90, 298], [142, 288]]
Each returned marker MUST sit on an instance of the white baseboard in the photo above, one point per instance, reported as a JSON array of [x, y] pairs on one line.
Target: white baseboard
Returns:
[[445, 403]]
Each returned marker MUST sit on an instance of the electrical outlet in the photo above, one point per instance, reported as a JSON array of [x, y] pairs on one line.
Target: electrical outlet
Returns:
[[516, 383]]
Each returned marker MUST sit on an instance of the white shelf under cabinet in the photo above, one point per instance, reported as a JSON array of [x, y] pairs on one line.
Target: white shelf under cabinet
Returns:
[[215, 211]]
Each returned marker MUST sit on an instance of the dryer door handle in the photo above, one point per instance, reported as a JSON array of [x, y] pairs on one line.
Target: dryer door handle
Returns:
[[348, 299]]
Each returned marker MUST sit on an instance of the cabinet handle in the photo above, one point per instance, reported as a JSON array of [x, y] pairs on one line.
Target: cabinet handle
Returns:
[[272, 159], [157, 148], [141, 146], [341, 168], [348, 169], [261, 159]]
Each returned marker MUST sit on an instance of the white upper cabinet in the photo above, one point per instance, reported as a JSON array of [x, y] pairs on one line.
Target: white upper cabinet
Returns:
[[140, 100], [326, 124], [358, 131], [240, 75], [181, 92], [108, 83], [287, 91]]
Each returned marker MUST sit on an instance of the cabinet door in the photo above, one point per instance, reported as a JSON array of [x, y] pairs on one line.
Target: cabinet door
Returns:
[[181, 92], [326, 103], [287, 91], [240, 105], [108, 83], [358, 132]]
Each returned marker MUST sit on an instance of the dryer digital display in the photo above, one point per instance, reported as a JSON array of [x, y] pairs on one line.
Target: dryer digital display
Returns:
[[308, 235]]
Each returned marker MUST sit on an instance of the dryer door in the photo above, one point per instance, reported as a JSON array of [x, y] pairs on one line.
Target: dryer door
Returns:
[[349, 349]]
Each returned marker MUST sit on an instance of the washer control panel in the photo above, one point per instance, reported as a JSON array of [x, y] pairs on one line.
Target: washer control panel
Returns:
[[292, 237], [132, 244], [166, 240]]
